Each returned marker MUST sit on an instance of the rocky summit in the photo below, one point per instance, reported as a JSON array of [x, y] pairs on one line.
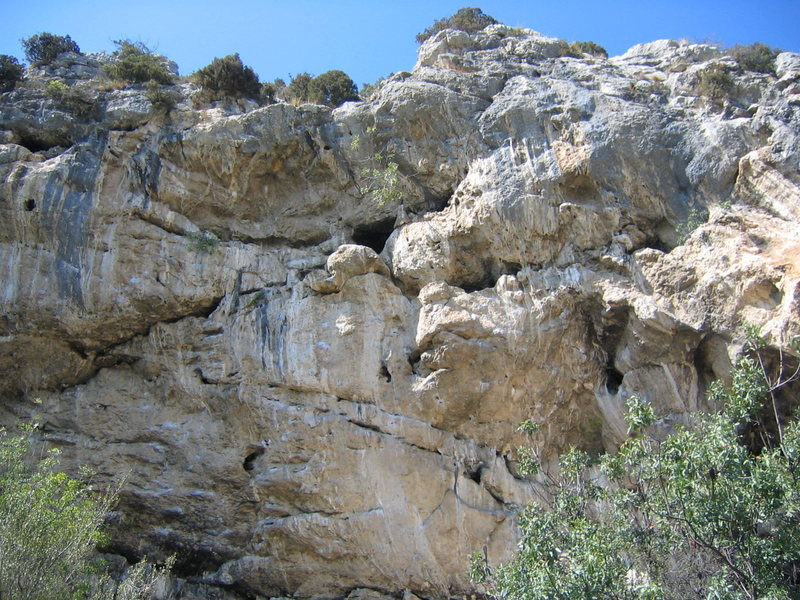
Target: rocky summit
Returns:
[[306, 336]]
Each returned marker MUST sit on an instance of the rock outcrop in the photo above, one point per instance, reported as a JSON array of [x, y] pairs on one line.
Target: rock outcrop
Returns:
[[313, 393]]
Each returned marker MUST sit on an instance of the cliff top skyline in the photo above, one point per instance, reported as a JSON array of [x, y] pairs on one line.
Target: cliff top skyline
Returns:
[[370, 40]]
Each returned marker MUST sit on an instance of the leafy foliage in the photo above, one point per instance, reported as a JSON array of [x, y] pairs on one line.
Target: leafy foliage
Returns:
[[332, 88], [469, 19], [368, 89], [694, 219], [160, 96], [756, 57], [55, 88], [203, 241], [44, 48], [134, 62], [299, 89], [49, 526], [383, 180], [228, 77], [10, 72], [716, 82], [698, 514]]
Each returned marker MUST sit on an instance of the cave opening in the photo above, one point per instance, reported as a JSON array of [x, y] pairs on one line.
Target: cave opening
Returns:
[[374, 235], [613, 379]]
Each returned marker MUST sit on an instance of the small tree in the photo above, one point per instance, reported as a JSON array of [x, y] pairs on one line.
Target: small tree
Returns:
[[300, 89], [44, 48], [10, 72], [334, 88], [469, 19], [716, 83], [701, 513], [228, 77], [134, 62], [49, 527], [756, 57]]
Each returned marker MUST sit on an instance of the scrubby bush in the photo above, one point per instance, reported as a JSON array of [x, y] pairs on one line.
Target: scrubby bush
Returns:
[[160, 96], [44, 48], [55, 88], [10, 72], [469, 19], [50, 524], [581, 48], [368, 89], [756, 57], [134, 62], [228, 77], [299, 89], [334, 88], [705, 512], [716, 82]]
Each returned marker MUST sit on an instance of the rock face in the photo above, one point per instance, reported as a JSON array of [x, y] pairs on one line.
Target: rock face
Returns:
[[317, 394]]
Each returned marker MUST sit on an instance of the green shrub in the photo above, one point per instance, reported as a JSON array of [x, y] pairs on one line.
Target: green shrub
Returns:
[[160, 96], [382, 179], [204, 242], [44, 48], [368, 89], [228, 77], [756, 57], [716, 83], [469, 19], [580, 48], [299, 89], [49, 526], [10, 72], [704, 512], [333, 88], [135, 63], [56, 88]]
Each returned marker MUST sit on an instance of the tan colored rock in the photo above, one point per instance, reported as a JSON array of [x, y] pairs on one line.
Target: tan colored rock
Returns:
[[317, 395]]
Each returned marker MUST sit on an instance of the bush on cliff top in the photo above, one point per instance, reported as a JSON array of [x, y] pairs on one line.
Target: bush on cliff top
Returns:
[[228, 77], [44, 48], [469, 19], [757, 57], [332, 88], [135, 63], [10, 72]]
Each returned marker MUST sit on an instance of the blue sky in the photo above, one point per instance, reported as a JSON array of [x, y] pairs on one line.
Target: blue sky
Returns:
[[368, 39]]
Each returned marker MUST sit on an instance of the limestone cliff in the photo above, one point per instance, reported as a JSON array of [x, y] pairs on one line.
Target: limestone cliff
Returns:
[[317, 394]]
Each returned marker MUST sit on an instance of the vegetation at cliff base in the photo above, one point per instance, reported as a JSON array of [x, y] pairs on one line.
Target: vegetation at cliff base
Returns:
[[711, 510], [50, 524], [44, 48]]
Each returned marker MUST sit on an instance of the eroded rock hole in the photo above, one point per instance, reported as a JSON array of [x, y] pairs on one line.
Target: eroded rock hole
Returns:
[[38, 145], [475, 471], [385, 375], [30, 204], [247, 464], [374, 235], [613, 379]]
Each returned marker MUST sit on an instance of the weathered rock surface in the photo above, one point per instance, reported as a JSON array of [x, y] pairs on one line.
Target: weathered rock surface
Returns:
[[316, 394]]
